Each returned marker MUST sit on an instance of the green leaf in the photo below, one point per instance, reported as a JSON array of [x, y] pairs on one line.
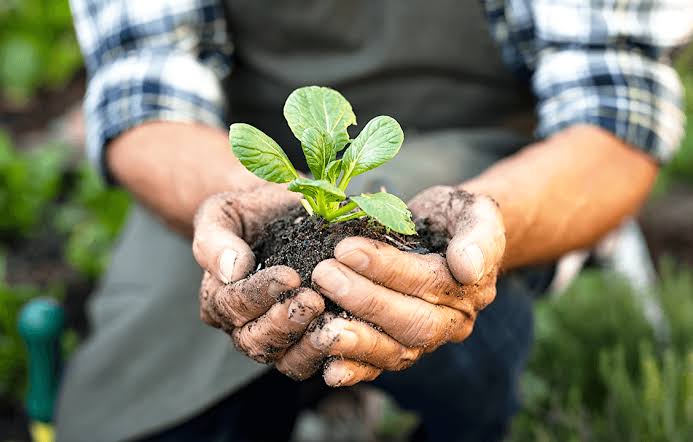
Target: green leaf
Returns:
[[388, 210], [317, 150], [315, 187], [320, 108], [377, 144], [333, 171], [260, 154]]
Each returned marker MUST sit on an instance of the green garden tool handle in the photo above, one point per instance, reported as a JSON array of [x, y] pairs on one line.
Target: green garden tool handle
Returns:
[[41, 323]]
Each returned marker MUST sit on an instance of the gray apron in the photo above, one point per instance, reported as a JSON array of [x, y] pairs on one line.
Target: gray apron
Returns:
[[150, 362]]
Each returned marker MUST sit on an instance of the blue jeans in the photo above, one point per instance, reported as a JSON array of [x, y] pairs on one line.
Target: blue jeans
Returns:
[[462, 392]]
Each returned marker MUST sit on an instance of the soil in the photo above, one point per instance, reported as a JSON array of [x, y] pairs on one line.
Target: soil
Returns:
[[301, 241]]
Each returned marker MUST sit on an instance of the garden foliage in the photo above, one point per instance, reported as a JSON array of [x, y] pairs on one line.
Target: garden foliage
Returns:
[[599, 374]]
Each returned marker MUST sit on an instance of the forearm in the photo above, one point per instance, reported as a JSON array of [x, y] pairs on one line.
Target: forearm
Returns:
[[566, 192], [172, 167]]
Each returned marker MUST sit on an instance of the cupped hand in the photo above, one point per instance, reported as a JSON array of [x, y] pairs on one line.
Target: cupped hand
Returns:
[[404, 304], [254, 310]]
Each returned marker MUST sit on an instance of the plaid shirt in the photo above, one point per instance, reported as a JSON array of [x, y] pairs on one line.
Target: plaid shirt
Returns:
[[602, 62]]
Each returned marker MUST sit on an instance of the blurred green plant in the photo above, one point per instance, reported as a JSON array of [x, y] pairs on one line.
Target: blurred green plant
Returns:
[[38, 47], [29, 181], [680, 169], [91, 219], [41, 191], [597, 373], [88, 214]]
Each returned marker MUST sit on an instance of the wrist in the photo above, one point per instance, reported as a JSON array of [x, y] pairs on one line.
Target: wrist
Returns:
[[172, 167]]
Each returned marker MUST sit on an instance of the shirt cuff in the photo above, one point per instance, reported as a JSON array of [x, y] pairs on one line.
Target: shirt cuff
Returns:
[[636, 98], [145, 87]]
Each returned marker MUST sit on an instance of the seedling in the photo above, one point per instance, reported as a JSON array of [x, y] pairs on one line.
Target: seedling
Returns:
[[319, 118]]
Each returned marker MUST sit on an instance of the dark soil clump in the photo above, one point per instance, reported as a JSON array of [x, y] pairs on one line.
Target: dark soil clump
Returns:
[[301, 241]]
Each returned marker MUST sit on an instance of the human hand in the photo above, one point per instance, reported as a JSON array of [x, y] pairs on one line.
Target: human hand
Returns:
[[418, 302], [251, 309]]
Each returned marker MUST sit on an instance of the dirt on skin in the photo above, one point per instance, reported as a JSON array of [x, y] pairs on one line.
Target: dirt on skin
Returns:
[[301, 241]]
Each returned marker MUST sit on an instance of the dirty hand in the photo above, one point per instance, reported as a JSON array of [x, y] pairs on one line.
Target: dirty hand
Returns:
[[249, 308], [417, 302]]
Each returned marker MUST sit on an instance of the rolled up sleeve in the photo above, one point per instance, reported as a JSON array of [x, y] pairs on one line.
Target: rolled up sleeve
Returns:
[[150, 60], [608, 64]]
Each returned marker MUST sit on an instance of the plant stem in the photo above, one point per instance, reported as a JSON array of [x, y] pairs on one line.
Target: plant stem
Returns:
[[344, 182], [321, 204], [311, 203], [348, 207], [354, 215]]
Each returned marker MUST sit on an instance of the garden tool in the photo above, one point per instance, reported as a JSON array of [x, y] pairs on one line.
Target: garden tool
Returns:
[[40, 324]]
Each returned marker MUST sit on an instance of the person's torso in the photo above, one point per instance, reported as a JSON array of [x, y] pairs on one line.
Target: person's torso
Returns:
[[431, 65]]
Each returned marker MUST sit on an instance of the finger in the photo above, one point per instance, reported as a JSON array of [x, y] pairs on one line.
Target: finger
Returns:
[[217, 245], [424, 276], [303, 359], [350, 339], [486, 292], [345, 372], [354, 339], [410, 320], [266, 338], [243, 301], [208, 289], [478, 244]]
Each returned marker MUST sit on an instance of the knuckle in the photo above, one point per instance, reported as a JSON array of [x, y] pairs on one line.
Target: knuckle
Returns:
[[207, 318], [408, 357], [247, 345], [224, 307], [485, 297], [438, 278], [423, 330], [288, 370], [464, 331], [369, 306]]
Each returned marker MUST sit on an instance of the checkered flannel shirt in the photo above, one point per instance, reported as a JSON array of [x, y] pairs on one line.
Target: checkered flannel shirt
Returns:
[[601, 62]]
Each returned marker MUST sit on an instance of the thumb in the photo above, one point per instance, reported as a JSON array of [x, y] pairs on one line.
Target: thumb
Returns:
[[478, 242], [217, 245]]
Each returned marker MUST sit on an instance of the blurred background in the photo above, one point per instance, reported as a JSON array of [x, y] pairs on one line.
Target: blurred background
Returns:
[[613, 358]]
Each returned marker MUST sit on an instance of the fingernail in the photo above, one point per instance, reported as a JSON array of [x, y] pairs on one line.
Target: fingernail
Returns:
[[332, 282], [227, 263], [342, 374], [356, 259], [300, 313], [276, 288], [475, 259]]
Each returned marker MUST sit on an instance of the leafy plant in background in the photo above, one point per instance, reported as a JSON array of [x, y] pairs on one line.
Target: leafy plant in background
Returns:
[[680, 169], [38, 47], [319, 118], [29, 181], [91, 218], [35, 186], [597, 373]]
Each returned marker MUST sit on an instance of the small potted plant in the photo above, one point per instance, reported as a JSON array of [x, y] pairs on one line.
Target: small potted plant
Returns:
[[319, 118]]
